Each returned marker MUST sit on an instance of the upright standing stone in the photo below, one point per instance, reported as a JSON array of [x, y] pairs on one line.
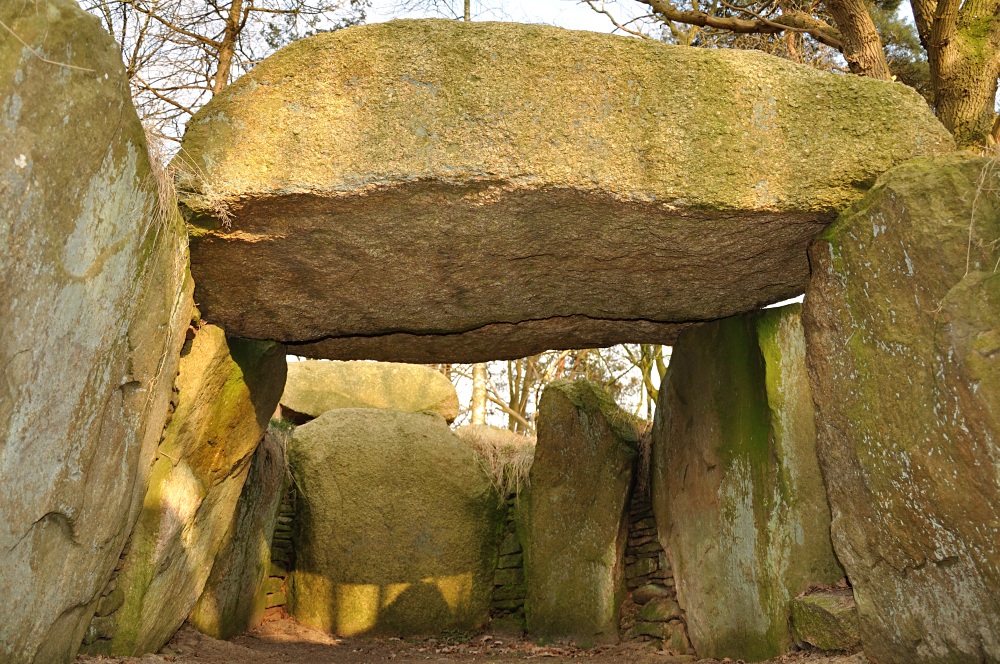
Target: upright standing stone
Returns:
[[227, 390], [236, 591], [901, 318], [738, 494], [93, 303], [572, 515], [397, 526]]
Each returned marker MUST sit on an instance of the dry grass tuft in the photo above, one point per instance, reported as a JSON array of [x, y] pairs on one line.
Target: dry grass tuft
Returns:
[[505, 456], [163, 179]]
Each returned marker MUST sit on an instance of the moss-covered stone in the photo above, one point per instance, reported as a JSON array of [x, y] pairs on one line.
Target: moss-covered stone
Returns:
[[571, 516], [236, 591], [315, 387], [226, 391], [901, 319], [826, 620], [659, 609], [737, 490], [565, 153], [94, 299], [397, 529]]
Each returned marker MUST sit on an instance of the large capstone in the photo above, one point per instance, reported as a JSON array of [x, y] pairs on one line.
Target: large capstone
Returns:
[[572, 517], [399, 188], [314, 387], [901, 318], [737, 490], [226, 391], [94, 303], [397, 528]]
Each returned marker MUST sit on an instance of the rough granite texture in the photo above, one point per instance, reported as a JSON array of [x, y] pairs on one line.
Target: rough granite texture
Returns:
[[737, 489], [94, 299], [314, 387], [572, 516], [397, 526], [235, 594], [226, 391], [901, 319], [371, 175]]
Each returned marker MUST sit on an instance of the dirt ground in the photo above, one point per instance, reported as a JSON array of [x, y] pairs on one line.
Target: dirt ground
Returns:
[[284, 641]]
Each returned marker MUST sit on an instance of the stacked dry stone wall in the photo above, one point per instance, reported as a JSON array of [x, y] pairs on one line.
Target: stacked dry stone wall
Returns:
[[282, 553], [507, 608], [651, 612], [645, 560]]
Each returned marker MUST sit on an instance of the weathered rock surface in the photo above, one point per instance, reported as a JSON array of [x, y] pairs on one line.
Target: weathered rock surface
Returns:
[[397, 526], [901, 319], [737, 489], [314, 387], [226, 391], [520, 158], [94, 302], [235, 593], [827, 620], [572, 515]]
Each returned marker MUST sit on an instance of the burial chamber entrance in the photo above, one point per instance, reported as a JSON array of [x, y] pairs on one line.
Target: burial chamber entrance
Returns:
[[430, 192]]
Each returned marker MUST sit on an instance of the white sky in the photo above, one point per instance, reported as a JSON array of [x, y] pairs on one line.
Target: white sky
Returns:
[[563, 13]]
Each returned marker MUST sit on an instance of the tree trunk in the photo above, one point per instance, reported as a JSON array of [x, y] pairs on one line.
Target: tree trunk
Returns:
[[862, 47], [963, 49], [227, 47], [468, 10], [479, 393]]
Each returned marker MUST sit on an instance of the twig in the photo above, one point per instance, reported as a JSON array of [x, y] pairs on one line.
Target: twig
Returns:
[[984, 177], [39, 55], [614, 21]]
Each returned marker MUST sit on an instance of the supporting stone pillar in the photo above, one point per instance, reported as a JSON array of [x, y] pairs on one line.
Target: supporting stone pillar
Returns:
[[738, 495]]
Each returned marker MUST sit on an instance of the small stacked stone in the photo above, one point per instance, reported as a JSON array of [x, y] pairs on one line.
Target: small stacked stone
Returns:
[[645, 560], [282, 553], [97, 638], [507, 609]]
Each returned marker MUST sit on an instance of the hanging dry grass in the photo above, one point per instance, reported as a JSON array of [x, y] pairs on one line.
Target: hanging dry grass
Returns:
[[505, 456], [162, 175]]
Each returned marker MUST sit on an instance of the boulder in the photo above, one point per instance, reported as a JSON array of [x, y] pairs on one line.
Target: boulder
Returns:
[[236, 591], [520, 158], [94, 300], [397, 527], [737, 489], [901, 319], [226, 391], [315, 387], [827, 620], [572, 516]]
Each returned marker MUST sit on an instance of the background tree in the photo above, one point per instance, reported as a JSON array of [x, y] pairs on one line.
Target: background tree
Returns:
[[951, 55], [631, 373], [178, 53]]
